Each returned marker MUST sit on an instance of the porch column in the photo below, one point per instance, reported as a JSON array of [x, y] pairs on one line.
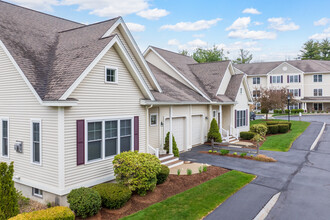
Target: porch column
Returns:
[[220, 111], [171, 130]]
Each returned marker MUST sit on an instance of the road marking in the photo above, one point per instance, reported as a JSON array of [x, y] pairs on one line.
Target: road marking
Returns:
[[318, 137], [270, 204]]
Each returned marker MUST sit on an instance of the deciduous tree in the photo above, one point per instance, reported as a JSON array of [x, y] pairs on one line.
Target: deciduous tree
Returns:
[[209, 55], [244, 57]]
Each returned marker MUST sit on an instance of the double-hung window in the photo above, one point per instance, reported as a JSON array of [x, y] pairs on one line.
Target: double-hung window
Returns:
[[111, 75], [256, 80], [317, 78], [36, 141], [4, 138], [293, 78], [107, 138], [318, 92], [241, 118], [256, 94], [294, 92], [276, 79]]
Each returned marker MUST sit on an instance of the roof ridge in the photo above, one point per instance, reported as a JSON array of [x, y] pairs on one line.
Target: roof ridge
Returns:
[[319, 63], [88, 25], [171, 51], [40, 12], [220, 61]]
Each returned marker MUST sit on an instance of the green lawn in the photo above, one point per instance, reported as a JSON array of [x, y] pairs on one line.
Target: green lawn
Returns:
[[198, 201], [283, 142]]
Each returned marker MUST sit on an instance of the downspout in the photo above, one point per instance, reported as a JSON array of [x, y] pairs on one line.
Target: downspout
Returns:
[[147, 126]]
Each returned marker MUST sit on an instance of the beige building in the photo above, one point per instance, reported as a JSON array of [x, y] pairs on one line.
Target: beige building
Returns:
[[307, 80]]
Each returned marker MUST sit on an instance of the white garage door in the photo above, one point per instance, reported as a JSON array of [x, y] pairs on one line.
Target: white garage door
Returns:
[[197, 129], [179, 131]]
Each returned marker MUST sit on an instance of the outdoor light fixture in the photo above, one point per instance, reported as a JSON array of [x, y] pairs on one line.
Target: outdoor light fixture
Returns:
[[289, 107]]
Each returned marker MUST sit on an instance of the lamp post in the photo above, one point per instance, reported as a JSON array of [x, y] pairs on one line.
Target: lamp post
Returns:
[[289, 107]]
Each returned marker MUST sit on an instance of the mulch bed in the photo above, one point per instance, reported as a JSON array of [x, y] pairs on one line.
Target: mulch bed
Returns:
[[174, 184], [235, 156]]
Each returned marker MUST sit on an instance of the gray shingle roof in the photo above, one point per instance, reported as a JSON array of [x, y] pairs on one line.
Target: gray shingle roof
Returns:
[[306, 66], [50, 57], [233, 86]]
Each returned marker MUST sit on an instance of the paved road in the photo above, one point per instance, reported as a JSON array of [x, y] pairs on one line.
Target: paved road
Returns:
[[300, 175]]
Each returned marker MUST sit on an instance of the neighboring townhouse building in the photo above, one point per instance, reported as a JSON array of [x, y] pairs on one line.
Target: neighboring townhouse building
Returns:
[[194, 94], [307, 80], [72, 96]]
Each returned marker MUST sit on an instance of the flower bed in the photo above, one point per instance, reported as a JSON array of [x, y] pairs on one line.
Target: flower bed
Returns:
[[259, 157]]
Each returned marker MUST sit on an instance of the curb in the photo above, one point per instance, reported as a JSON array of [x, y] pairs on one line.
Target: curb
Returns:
[[270, 204], [318, 137]]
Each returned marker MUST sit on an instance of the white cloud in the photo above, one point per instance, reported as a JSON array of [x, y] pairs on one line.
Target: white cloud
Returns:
[[282, 24], [239, 23], [255, 35], [199, 35], [327, 30], [257, 23], [322, 22], [320, 36], [191, 26], [249, 45], [43, 5], [173, 42], [135, 27], [197, 43], [106, 8], [251, 11], [153, 14]]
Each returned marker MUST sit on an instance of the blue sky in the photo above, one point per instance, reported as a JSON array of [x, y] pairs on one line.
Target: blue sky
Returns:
[[270, 29]]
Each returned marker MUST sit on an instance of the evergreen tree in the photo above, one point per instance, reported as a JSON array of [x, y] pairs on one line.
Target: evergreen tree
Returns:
[[214, 132], [167, 145]]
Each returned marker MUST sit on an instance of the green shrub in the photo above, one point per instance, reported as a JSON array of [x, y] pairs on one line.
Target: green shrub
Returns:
[[178, 172], [264, 111], [272, 129], [113, 195], [167, 145], [224, 152], [137, 171], [200, 169], [84, 202], [210, 151], [22, 200], [243, 154], [286, 111], [247, 135], [294, 111], [272, 122], [214, 132], [8, 194], [163, 174], [189, 172], [235, 153], [204, 168], [259, 129], [283, 128], [55, 213]]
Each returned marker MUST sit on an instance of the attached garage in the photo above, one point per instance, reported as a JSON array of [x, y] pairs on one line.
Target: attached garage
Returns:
[[179, 131], [197, 130]]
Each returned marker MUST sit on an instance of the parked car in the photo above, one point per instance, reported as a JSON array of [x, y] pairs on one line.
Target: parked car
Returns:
[[252, 116]]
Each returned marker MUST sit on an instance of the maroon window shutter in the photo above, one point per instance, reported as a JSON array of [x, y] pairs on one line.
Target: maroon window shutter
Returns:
[[136, 133], [299, 92], [271, 78], [235, 118], [246, 118], [288, 80], [281, 79], [80, 142], [299, 78]]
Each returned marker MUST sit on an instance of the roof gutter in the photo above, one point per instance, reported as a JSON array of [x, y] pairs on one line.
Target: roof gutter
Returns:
[[149, 102]]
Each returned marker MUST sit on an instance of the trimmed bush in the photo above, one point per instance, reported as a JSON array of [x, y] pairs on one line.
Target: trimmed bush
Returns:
[[167, 145], [113, 195], [214, 132], [84, 202], [300, 110], [283, 128], [224, 152], [8, 195], [286, 111], [247, 135], [272, 129], [259, 129], [272, 122], [137, 171], [163, 174], [294, 111], [55, 213]]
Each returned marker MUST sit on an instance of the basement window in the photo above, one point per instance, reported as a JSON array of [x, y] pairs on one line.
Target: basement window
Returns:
[[37, 192]]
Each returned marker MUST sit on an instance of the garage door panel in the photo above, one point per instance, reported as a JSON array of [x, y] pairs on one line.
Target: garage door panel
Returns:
[[197, 130], [179, 132]]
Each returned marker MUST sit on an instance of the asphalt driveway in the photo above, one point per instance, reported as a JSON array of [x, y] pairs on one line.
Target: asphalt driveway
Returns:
[[300, 175]]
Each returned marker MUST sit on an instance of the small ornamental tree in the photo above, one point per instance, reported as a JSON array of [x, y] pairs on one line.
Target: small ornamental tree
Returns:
[[137, 171], [214, 132], [167, 145], [8, 195]]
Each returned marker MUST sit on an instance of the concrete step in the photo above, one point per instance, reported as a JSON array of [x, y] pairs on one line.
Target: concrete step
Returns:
[[174, 164], [234, 141], [169, 160], [165, 156]]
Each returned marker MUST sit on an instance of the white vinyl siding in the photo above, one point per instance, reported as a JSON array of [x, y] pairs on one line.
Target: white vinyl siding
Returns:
[[19, 104], [99, 100]]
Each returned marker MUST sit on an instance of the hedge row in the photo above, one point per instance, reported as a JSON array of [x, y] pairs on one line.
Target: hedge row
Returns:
[[286, 111], [55, 213], [279, 122], [247, 135]]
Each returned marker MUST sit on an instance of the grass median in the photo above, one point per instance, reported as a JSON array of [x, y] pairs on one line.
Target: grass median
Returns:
[[196, 202]]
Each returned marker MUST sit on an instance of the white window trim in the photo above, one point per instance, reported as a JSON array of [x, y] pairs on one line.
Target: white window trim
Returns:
[[256, 78], [317, 78], [36, 194], [8, 124], [293, 75], [103, 157], [154, 114], [36, 120], [318, 92], [276, 76], [237, 124], [116, 74]]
